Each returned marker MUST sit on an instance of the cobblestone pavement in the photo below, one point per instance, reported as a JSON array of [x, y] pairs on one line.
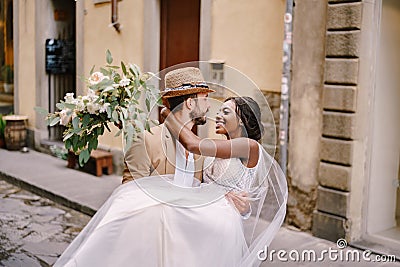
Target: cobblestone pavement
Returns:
[[34, 230]]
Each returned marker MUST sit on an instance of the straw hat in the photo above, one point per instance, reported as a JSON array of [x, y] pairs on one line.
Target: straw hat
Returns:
[[184, 81]]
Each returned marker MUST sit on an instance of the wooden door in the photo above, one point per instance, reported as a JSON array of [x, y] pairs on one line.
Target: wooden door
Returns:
[[180, 32]]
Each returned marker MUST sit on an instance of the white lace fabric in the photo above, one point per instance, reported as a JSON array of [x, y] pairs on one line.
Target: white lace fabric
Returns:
[[229, 173]]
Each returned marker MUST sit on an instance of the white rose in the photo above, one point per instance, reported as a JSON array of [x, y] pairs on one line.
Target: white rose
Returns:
[[91, 92], [65, 116], [69, 97], [92, 108], [104, 108], [124, 82], [79, 105], [96, 77]]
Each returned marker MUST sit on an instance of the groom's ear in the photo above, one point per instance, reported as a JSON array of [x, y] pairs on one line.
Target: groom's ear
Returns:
[[189, 103]]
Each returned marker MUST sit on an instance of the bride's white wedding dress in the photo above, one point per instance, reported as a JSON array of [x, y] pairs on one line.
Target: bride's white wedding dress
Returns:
[[152, 222]]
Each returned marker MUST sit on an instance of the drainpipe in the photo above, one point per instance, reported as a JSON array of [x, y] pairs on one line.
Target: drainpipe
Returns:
[[285, 86], [114, 15]]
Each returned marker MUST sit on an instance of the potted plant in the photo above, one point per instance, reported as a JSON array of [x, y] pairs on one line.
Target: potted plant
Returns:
[[2, 127], [8, 78]]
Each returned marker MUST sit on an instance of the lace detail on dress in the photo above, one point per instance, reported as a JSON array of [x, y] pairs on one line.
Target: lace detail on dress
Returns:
[[229, 173]]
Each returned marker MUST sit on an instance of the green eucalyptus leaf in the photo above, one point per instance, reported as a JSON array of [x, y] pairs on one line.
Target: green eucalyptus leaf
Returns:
[[139, 125], [84, 157], [129, 131], [135, 102], [125, 113], [109, 58], [147, 126], [60, 106], [41, 111], [98, 131], [92, 70], [86, 120], [69, 105], [109, 112], [68, 144], [159, 101], [104, 72], [54, 121], [134, 70], [108, 89], [66, 137], [128, 92], [93, 143], [115, 116], [118, 133], [75, 140], [75, 123], [137, 95], [123, 68], [148, 104]]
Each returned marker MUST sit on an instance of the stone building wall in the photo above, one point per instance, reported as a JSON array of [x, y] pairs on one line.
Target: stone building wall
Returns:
[[271, 123], [305, 122], [331, 216]]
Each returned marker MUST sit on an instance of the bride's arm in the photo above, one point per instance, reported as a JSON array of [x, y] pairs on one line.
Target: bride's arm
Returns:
[[235, 148]]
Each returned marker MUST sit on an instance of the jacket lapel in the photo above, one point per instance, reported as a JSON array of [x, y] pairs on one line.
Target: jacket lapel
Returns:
[[169, 151]]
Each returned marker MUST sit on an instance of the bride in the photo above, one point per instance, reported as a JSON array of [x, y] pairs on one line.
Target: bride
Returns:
[[207, 225]]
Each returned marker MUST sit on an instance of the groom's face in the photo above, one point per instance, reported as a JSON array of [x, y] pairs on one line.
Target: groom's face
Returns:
[[200, 109]]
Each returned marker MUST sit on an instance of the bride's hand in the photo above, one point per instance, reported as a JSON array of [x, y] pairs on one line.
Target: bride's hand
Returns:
[[240, 201], [165, 112]]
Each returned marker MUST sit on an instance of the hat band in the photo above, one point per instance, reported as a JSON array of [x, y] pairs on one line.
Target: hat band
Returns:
[[185, 86]]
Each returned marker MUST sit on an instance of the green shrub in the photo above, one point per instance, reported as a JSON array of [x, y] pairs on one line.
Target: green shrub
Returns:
[[2, 126], [7, 73]]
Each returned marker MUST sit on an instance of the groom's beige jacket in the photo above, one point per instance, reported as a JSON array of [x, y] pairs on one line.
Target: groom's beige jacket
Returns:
[[154, 154]]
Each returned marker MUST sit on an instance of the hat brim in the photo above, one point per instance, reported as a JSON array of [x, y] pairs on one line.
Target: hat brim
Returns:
[[174, 93]]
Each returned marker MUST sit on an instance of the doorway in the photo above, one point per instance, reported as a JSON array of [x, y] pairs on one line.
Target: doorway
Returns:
[[180, 32], [383, 202], [6, 57], [61, 57]]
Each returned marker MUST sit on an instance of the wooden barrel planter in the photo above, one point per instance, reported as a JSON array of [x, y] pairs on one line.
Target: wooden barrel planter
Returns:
[[15, 132]]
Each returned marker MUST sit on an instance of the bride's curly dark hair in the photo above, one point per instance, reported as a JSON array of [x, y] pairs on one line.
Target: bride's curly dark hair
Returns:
[[250, 114]]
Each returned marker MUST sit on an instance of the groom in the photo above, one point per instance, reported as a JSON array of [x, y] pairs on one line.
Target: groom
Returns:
[[186, 94]]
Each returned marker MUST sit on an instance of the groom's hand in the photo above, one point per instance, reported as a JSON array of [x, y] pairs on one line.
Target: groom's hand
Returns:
[[240, 201]]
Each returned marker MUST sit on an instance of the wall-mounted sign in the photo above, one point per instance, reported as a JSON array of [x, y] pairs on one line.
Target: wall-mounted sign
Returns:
[[60, 56]]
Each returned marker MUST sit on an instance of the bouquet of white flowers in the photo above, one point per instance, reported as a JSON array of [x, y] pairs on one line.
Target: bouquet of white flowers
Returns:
[[112, 97]]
